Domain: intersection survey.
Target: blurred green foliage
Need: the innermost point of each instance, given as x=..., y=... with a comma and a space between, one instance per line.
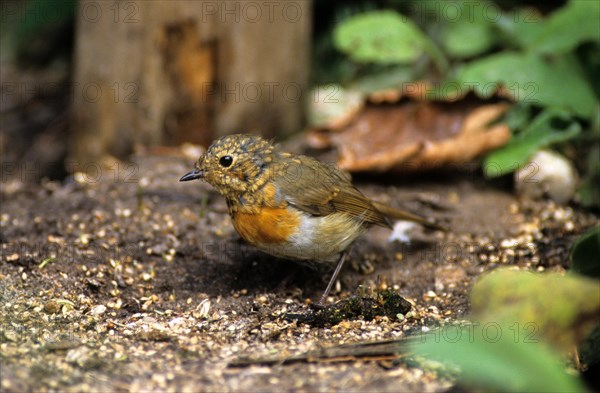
x=519, y=332
x=385, y=37
x=532, y=80
x=543, y=130
x=494, y=357
x=562, y=320
x=545, y=60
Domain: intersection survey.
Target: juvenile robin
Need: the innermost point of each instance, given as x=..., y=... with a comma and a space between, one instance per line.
x=291, y=206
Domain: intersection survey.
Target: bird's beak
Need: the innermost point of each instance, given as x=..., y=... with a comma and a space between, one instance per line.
x=193, y=175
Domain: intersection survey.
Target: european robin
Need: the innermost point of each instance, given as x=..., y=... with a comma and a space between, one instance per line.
x=290, y=206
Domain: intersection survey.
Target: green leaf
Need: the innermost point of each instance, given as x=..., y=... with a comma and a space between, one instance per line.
x=561, y=32
x=518, y=116
x=518, y=327
x=489, y=356
x=520, y=26
x=521, y=297
x=541, y=132
x=468, y=39
x=589, y=188
x=469, y=34
x=384, y=37
x=589, y=191
x=568, y=27
x=585, y=254
x=531, y=79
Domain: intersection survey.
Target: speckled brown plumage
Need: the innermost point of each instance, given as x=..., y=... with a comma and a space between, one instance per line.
x=287, y=205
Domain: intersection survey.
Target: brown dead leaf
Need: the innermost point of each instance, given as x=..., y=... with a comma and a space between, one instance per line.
x=416, y=136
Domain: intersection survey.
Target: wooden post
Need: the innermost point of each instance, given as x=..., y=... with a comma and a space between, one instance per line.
x=165, y=72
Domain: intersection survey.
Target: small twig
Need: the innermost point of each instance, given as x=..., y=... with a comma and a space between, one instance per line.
x=46, y=261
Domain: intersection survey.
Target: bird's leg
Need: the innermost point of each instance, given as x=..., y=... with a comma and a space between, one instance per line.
x=334, y=277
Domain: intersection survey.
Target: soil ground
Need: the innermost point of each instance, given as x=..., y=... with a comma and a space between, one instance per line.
x=127, y=280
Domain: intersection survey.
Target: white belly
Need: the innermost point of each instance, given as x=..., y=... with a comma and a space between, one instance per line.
x=318, y=239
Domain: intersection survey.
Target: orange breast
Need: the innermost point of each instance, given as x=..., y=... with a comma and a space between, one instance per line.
x=270, y=226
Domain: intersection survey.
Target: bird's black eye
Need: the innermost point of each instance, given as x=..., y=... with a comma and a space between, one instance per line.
x=226, y=161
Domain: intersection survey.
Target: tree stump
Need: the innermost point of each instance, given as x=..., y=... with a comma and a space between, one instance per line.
x=167, y=72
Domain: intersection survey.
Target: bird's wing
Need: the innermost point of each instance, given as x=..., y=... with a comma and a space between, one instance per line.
x=320, y=189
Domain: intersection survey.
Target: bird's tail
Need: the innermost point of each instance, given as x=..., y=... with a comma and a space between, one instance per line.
x=396, y=214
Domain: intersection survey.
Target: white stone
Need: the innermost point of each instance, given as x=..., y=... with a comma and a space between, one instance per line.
x=547, y=173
